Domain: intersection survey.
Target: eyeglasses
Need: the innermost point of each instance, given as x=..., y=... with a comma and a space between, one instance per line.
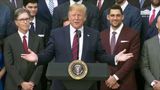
x=23, y=19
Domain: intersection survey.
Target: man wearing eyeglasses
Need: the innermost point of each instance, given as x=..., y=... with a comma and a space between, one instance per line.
x=21, y=74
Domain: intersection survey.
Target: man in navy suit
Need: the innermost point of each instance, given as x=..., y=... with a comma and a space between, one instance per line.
x=61, y=41
x=5, y=17
x=141, y=4
x=44, y=13
x=61, y=14
x=132, y=16
x=149, y=29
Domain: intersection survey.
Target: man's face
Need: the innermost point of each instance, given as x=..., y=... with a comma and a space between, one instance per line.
x=32, y=8
x=155, y=3
x=76, y=18
x=23, y=22
x=115, y=18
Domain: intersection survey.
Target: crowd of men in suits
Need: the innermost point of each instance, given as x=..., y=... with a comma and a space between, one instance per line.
x=136, y=18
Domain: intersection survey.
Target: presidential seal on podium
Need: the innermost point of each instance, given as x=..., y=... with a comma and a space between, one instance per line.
x=77, y=69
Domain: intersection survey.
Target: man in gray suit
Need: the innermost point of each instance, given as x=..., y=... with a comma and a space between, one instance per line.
x=21, y=74
x=150, y=64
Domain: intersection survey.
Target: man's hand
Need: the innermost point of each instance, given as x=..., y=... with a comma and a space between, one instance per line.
x=26, y=86
x=111, y=81
x=121, y=56
x=156, y=86
x=32, y=57
x=115, y=86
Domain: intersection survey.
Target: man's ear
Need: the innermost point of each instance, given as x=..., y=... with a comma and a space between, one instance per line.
x=107, y=17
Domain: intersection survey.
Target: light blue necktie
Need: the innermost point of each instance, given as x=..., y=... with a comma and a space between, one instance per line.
x=51, y=6
x=141, y=2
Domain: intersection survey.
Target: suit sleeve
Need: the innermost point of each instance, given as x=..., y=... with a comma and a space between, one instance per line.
x=49, y=52
x=136, y=21
x=144, y=65
x=9, y=63
x=129, y=65
x=36, y=76
x=101, y=55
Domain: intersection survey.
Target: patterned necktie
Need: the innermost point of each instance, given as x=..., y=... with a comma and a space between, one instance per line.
x=113, y=41
x=25, y=47
x=32, y=29
x=141, y=2
x=51, y=6
x=152, y=17
x=75, y=47
x=99, y=4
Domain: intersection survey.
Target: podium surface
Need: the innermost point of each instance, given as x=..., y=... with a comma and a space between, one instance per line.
x=59, y=71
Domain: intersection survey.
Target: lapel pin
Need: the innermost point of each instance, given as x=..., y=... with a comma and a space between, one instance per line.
x=88, y=35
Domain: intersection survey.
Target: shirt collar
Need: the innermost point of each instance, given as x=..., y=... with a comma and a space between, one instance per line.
x=21, y=34
x=34, y=20
x=124, y=5
x=72, y=29
x=157, y=8
x=118, y=30
x=73, y=2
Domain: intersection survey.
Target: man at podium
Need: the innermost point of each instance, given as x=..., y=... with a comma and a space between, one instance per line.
x=75, y=42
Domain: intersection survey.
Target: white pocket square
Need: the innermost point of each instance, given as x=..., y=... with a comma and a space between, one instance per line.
x=124, y=41
x=41, y=35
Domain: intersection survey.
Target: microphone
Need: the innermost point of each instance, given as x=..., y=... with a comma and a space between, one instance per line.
x=78, y=33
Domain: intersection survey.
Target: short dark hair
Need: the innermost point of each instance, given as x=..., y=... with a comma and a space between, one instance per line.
x=25, y=2
x=115, y=7
x=20, y=11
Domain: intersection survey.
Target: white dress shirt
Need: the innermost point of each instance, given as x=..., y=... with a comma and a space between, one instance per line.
x=21, y=36
x=156, y=12
x=73, y=2
x=118, y=31
x=124, y=5
x=72, y=33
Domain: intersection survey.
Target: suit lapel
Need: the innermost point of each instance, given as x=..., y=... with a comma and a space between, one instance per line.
x=68, y=42
x=18, y=42
x=121, y=37
x=107, y=41
x=86, y=41
x=31, y=41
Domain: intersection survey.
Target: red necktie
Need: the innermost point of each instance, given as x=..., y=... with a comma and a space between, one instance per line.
x=75, y=47
x=25, y=47
x=99, y=4
x=152, y=17
x=113, y=41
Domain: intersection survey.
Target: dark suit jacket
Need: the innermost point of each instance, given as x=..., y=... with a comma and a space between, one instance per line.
x=59, y=46
x=5, y=17
x=132, y=18
x=129, y=40
x=18, y=69
x=43, y=12
x=137, y=4
x=61, y=13
x=106, y=4
x=12, y=9
x=148, y=31
x=41, y=29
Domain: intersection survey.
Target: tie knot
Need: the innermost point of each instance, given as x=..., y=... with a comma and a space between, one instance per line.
x=114, y=33
x=31, y=23
x=153, y=10
x=24, y=36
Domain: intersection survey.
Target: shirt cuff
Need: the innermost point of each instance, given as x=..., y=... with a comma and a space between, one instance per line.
x=115, y=60
x=153, y=83
x=115, y=76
